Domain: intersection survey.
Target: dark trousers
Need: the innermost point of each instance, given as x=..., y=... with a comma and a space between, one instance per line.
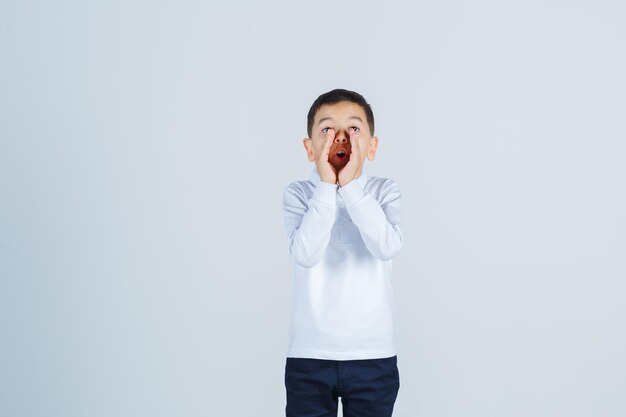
x=367, y=387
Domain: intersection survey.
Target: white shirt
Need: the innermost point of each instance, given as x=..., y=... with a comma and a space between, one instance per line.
x=341, y=240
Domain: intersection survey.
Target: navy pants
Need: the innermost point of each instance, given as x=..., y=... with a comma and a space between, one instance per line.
x=367, y=387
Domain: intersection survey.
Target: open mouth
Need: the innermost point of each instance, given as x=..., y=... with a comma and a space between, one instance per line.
x=341, y=153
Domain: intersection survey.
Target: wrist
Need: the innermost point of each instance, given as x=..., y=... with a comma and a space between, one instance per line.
x=345, y=181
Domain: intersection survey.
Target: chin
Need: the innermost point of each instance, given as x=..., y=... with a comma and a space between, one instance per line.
x=339, y=167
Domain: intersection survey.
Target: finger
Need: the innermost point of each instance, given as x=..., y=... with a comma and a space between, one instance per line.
x=354, y=143
x=330, y=135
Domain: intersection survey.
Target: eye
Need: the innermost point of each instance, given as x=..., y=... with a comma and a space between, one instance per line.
x=325, y=130
x=356, y=129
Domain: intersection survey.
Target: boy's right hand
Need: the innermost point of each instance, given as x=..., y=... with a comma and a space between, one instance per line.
x=327, y=172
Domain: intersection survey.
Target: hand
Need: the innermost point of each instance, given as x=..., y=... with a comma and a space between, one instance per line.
x=327, y=172
x=348, y=173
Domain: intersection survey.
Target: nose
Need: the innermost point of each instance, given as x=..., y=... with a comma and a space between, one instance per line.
x=341, y=137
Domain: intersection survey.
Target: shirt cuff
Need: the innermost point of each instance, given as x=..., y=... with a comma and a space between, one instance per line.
x=351, y=192
x=325, y=192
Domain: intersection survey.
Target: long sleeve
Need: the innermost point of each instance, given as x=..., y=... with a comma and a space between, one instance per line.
x=308, y=224
x=378, y=222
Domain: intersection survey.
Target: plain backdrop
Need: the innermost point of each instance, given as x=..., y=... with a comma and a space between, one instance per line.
x=145, y=146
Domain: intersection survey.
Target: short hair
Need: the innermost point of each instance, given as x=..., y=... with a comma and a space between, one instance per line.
x=335, y=96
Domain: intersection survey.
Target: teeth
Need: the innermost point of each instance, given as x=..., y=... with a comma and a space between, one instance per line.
x=341, y=153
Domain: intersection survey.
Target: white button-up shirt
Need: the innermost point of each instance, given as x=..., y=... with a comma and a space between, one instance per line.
x=342, y=240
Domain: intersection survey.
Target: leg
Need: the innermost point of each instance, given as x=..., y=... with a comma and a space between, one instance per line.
x=370, y=388
x=310, y=385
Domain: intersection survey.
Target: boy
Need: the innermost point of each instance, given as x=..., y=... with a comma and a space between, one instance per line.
x=343, y=230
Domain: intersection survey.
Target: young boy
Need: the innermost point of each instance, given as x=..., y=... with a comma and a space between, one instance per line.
x=343, y=230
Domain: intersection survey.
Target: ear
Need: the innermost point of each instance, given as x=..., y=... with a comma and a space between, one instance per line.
x=371, y=149
x=308, y=145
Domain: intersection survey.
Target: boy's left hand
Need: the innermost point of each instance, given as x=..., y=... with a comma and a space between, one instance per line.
x=348, y=173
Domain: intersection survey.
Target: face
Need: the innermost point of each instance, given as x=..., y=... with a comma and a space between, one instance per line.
x=342, y=117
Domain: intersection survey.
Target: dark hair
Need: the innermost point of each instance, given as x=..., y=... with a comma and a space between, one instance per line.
x=335, y=96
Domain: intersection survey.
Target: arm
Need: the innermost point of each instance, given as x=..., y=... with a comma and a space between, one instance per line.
x=308, y=224
x=378, y=222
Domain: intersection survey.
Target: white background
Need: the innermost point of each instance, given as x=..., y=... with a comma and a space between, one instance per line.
x=144, y=148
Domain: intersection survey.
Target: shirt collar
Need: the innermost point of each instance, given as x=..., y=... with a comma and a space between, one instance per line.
x=362, y=180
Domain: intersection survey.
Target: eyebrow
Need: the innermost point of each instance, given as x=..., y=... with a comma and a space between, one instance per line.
x=330, y=118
